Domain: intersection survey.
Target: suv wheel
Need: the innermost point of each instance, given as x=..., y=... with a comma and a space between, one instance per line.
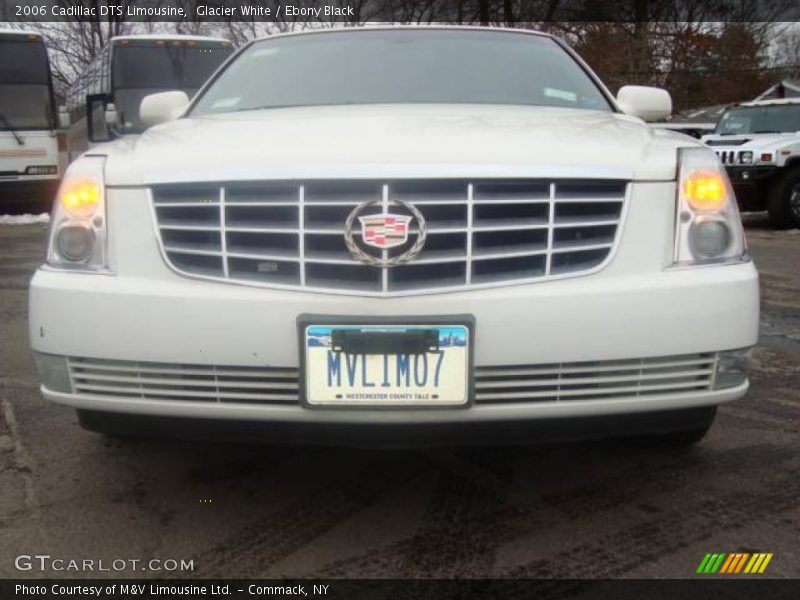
x=783, y=203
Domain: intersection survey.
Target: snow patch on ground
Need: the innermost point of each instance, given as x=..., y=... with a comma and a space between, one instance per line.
x=24, y=219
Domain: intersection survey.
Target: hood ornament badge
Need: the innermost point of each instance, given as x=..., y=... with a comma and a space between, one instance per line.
x=384, y=231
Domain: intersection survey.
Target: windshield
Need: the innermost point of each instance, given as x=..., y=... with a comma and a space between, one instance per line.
x=402, y=66
x=25, y=99
x=153, y=67
x=760, y=119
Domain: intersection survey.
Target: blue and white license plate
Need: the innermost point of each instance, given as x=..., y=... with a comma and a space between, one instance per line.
x=437, y=377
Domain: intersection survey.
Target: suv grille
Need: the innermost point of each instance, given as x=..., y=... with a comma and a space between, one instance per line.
x=483, y=233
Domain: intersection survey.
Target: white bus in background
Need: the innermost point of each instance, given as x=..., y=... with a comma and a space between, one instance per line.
x=29, y=138
x=103, y=102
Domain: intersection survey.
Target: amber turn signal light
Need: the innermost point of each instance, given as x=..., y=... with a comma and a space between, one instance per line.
x=705, y=190
x=80, y=197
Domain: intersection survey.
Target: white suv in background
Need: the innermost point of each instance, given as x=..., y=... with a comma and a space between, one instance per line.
x=759, y=144
x=398, y=227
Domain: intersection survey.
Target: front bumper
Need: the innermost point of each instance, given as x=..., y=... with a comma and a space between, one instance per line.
x=492, y=413
x=674, y=313
x=637, y=308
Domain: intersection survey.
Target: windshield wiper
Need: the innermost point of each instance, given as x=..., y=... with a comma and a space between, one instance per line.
x=267, y=107
x=271, y=106
x=17, y=137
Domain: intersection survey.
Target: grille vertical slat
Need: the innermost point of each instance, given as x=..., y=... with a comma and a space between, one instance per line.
x=727, y=157
x=479, y=233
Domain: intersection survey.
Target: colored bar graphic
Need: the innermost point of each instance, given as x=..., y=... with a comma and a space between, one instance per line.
x=718, y=564
x=711, y=562
x=764, y=564
x=734, y=563
x=730, y=564
x=740, y=564
x=727, y=564
x=703, y=563
x=754, y=562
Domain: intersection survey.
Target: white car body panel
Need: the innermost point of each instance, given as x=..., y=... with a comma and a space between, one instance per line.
x=390, y=140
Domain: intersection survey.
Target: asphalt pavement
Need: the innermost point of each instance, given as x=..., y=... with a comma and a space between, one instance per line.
x=604, y=509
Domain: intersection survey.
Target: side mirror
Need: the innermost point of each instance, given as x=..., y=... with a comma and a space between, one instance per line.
x=111, y=116
x=162, y=107
x=647, y=103
x=96, y=123
x=63, y=118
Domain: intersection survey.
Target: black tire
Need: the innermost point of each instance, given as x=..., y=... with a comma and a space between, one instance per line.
x=783, y=202
x=683, y=438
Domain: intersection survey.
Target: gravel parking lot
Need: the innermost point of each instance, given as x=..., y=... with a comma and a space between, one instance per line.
x=607, y=509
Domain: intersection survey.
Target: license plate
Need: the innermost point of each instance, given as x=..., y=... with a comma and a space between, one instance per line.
x=386, y=365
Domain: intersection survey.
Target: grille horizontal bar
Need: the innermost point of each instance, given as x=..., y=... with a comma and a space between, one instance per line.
x=155, y=381
x=290, y=235
x=565, y=382
x=595, y=380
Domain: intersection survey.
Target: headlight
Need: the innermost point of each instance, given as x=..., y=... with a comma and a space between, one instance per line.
x=709, y=229
x=746, y=158
x=78, y=223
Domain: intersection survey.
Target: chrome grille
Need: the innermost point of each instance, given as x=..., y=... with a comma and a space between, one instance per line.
x=595, y=380
x=480, y=233
x=560, y=382
x=727, y=157
x=161, y=381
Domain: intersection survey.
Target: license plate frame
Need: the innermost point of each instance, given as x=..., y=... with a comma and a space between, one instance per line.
x=461, y=320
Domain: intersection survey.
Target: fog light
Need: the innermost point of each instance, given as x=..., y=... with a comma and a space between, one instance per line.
x=709, y=238
x=75, y=242
x=746, y=158
x=53, y=372
x=732, y=368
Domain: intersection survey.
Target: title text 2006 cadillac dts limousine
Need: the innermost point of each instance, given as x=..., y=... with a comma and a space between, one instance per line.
x=398, y=227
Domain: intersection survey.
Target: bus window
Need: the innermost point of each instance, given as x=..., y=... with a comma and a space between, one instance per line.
x=26, y=100
x=139, y=70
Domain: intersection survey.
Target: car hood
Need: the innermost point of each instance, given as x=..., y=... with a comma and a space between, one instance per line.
x=390, y=141
x=748, y=141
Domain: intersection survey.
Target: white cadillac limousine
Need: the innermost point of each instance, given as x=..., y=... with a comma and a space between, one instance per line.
x=398, y=227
